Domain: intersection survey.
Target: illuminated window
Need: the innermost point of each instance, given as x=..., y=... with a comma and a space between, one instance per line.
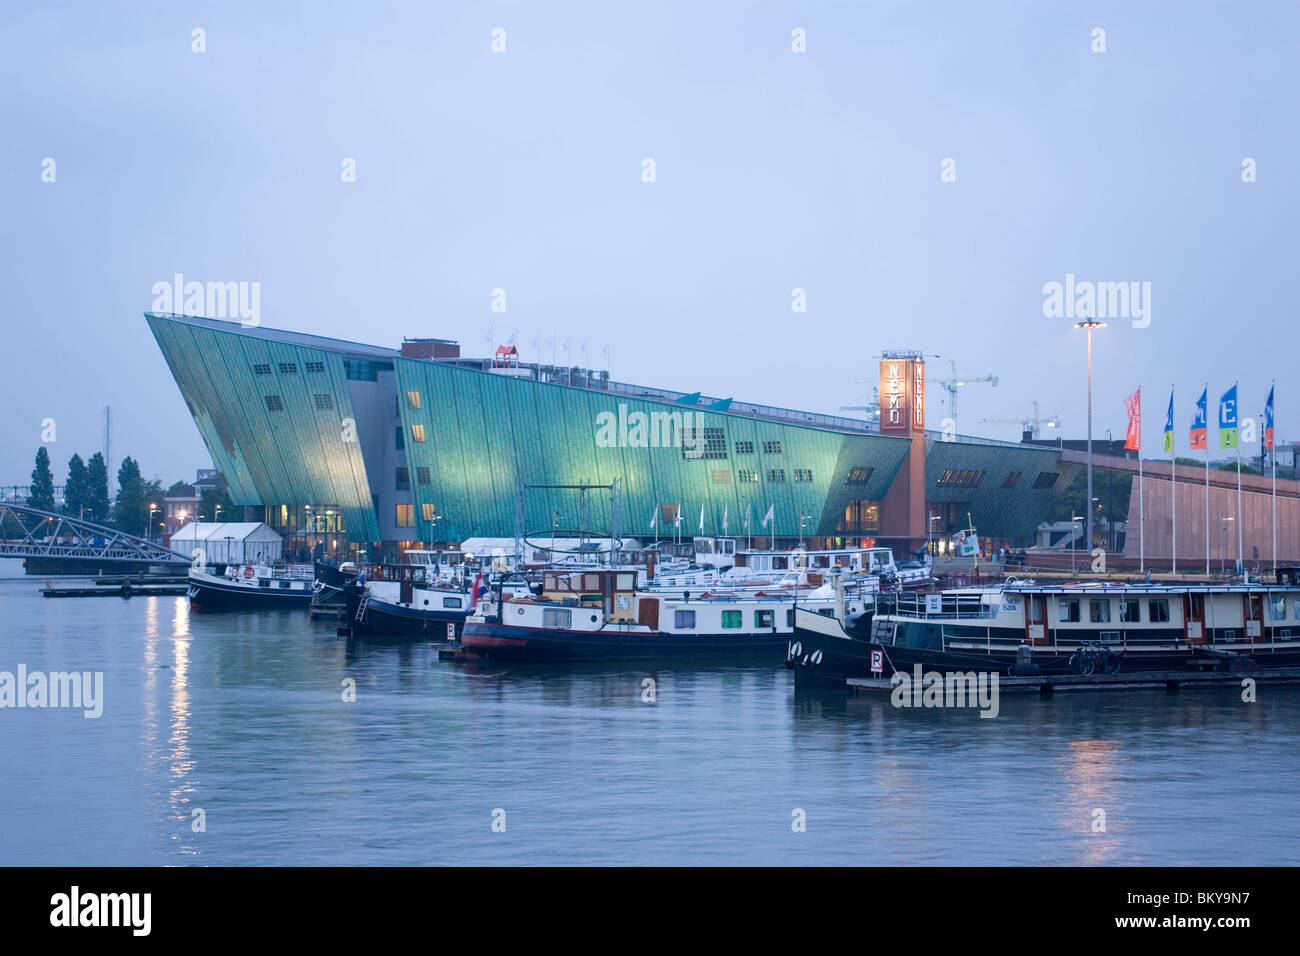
x=417, y=433
x=961, y=477
x=428, y=512
x=412, y=399
x=802, y=474
x=747, y=476
x=858, y=476
x=406, y=516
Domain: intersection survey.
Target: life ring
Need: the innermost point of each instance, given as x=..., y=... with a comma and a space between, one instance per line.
x=248, y=572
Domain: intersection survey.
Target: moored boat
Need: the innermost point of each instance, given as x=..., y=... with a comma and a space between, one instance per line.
x=251, y=587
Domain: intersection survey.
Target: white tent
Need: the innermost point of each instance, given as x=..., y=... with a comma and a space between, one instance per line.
x=229, y=542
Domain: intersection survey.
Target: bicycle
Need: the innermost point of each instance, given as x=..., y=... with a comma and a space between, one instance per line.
x=1093, y=657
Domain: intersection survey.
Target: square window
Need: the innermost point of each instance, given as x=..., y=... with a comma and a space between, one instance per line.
x=1099, y=610
x=412, y=399
x=747, y=476
x=858, y=476
x=315, y=366
x=771, y=448
x=763, y=618
x=1159, y=610
x=776, y=474
x=261, y=369
x=422, y=475
x=324, y=402
x=684, y=620
x=557, y=617
x=802, y=474
x=731, y=619
x=1069, y=610
x=274, y=403
x=417, y=433
x=744, y=448
x=288, y=368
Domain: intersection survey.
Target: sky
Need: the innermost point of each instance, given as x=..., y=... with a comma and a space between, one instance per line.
x=921, y=171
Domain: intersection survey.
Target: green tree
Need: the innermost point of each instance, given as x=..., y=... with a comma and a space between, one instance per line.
x=97, y=506
x=131, y=511
x=41, y=493
x=1232, y=466
x=76, y=491
x=178, y=488
x=1110, y=488
x=211, y=499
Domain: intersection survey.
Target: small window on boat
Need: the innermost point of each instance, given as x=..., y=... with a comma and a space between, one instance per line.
x=1198, y=606
x=1130, y=610
x=1159, y=610
x=556, y=617
x=452, y=602
x=1277, y=609
x=1069, y=610
x=1295, y=611
x=731, y=619
x=1109, y=637
x=591, y=582
x=1099, y=610
x=780, y=563
x=683, y=619
x=264, y=583
x=789, y=615
x=1230, y=635
x=763, y=618
x=626, y=582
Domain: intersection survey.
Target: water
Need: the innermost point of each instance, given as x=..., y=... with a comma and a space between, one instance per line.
x=241, y=716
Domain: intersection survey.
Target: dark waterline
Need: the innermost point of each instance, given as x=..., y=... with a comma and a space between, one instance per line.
x=242, y=715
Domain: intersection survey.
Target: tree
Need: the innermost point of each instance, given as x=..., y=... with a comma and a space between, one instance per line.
x=97, y=506
x=76, y=491
x=178, y=488
x=213, y=498
x=131, y=512
x=41, y=493
x=1110, y=488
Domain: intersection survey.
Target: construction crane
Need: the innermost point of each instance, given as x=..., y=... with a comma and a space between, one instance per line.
x=952, y=384
x=1033, y=425
x=872, y=408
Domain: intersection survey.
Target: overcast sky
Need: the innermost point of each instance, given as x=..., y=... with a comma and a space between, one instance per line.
x=774, y=170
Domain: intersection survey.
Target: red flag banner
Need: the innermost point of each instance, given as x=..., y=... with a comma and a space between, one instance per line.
x=1133, y=441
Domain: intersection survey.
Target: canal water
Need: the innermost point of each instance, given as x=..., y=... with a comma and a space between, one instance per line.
x=238, y=722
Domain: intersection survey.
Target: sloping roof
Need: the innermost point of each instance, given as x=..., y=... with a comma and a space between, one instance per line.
x=220, y=530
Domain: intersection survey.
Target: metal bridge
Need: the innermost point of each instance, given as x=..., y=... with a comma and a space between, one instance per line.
x=31, y=533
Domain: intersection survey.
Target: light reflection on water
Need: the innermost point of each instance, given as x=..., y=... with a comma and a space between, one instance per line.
x=242, y=715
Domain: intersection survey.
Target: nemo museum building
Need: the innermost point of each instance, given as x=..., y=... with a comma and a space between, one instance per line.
x=351, y=449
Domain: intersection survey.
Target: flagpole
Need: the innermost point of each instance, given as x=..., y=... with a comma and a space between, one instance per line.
x=1206, y=443
x=1272, y=447
x=1173, y=490
x=1142, y=560
x=1236, y=417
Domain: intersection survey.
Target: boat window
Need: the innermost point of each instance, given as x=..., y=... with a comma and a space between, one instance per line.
x=1255, y=610
x=1198, y=606
x=591, y=582
x=264, y=583
x=763, y=618
x=1109, y=637
x=731, y=618
x=684, y=619
x=789, y=615
x=1069, y=610
x=1159, y=610
x=780, y=563
x=451, y=602
x=1036, y=610
x=1277, y=609
x=1295, y=611
x=625, y=582
x=556, y=617
x=1130, y=610
x=1099, y=610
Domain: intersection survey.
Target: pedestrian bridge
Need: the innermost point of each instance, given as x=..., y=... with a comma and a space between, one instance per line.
x=31, y=533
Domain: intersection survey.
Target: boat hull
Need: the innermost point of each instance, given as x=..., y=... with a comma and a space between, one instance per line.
x=383, y=619
x=212, y=594
x=555, y=644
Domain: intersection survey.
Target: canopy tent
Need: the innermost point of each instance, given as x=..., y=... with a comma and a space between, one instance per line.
x=229, y=542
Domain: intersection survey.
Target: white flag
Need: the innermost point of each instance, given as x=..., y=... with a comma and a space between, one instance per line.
x=701, y=518
x=654, y=516
x=678, y=520
x=746, y=517
x=724, y=519
x=771, y=514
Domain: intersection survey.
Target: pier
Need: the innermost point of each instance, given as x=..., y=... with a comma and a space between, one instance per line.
x=1171, y=680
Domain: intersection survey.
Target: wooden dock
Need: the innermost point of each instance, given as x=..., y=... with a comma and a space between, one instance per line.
x=125, y=590
x=1170, y=680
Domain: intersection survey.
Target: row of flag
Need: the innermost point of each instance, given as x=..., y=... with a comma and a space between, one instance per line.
x=1198, y=434
x=677, y=522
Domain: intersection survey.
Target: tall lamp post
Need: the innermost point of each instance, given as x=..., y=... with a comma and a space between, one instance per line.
x=1089, y=325
x=1223, y=560
x=149, y=527
x=1074, y=539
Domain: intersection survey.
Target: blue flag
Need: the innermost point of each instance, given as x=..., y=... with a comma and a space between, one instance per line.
x=1228, y=419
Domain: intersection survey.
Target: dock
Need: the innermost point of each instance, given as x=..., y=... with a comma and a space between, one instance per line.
x=125, y=589
x=1170, y=680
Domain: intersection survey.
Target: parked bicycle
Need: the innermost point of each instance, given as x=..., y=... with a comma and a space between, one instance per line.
x=1093, y=658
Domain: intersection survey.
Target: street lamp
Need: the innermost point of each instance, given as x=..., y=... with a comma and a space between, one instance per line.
x=1223, y=562
x=148, y=531
x=1089, y=324
x=803, y=518
x=1074, y=539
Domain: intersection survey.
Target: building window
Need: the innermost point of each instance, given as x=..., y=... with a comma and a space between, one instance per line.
x=858, y=476
x=961, y=477
x=403, y=479
x=359, y=370
x=315, y=367
x=722, y=477
x=417, y=432
x=288, y=368
x=744, y=448
x=428, y=512
x=802, y=474
x=324, y=402
x=422, y=475
x=1010, y=480
x=1099, y=610
x=771, y=448
x=261, y=369
x=710, y=443
x=1159, y=610
x=684, y=619
x=747, y=476
x=731, y=619
x=861, y=517
x=776, y=474
x=1046, y=479
x=274, y=403
x=406, y=516
x=412, y=399
x=401, y=438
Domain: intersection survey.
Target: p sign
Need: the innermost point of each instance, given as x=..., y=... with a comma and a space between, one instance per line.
x=877, y=662
x=451, y=631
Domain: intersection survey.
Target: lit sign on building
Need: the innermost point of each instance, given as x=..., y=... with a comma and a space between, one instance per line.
x=902, y=395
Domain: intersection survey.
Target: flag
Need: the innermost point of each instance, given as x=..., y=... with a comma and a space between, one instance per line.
x=1169, y=424
x=677, y=520
x=654, y=516
x=701, y=519
x=478, y=592
x=746, y=517
x=1196, y=437
x=1228, y=419
x=771, y=514
x=724, y=519
x=1133, y=440
x=1268, y=420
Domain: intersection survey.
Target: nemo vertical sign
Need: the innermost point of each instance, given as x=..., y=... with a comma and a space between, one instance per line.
x=902, y=395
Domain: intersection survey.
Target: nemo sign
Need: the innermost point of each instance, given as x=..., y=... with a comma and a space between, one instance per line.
x=902, y=395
